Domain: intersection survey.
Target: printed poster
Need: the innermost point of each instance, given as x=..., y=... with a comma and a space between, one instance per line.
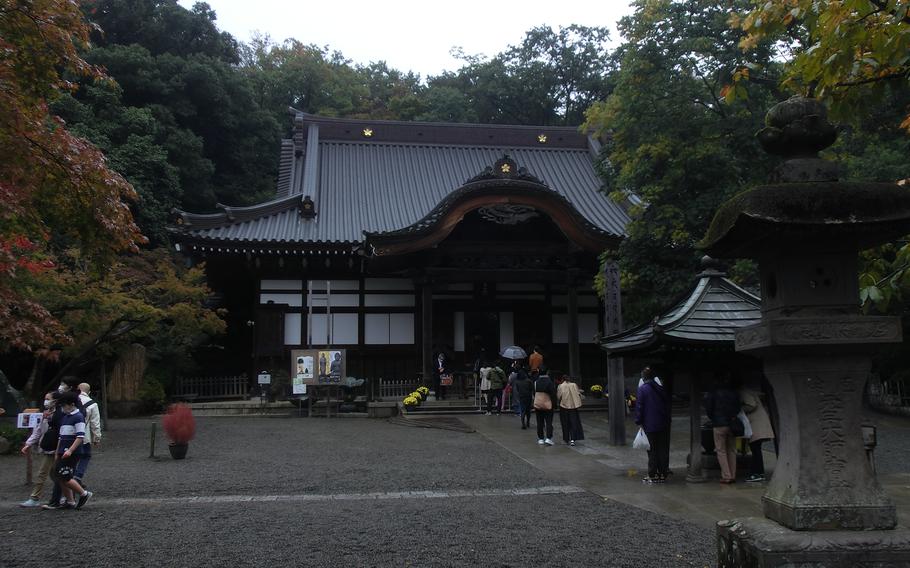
x=317, y=367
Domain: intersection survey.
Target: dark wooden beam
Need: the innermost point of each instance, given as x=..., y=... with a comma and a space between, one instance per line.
x=572, y=324
x=514, y=275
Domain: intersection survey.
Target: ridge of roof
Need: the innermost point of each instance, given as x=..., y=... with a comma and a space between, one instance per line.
x=471, y=134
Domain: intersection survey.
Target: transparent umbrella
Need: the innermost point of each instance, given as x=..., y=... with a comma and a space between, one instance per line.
x=513, y=352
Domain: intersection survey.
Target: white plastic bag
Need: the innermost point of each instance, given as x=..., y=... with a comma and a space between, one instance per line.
x=747, y=426
x=641, y=441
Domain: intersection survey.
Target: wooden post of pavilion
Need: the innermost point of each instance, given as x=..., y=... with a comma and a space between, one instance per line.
x=572, y=324
x=695, y=473
x=426, y=330
x=615, y=374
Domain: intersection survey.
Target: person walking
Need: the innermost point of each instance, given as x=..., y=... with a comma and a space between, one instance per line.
x=92, y=431
x=569, y=396
x=523, y=389
x=761, y=431
x=72, y=433
x=544, y=403
x=722, y=405
x=518, y=372
x=497, y=379
x=44, y=440
x=652, y=413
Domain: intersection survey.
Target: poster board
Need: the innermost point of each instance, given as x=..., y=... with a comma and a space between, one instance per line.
x=325, y=366
x=28, y=419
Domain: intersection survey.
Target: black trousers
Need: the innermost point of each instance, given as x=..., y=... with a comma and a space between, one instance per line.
x=494, y=395
x=758, y=460
x=526, y=405
x=544, y=418
x=438, y=388
x=570, y=419
x=659, y=454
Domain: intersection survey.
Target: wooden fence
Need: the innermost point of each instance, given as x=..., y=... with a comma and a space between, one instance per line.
x=390, y=389
x=211, y=388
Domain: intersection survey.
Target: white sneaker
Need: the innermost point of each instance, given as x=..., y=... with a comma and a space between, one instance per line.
x=548, y=442
x=540, y=442
x=30, y=503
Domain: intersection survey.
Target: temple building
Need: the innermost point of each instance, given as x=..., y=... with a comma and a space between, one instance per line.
x=396, y=240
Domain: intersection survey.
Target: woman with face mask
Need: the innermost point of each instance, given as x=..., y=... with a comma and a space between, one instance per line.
x=42, y=441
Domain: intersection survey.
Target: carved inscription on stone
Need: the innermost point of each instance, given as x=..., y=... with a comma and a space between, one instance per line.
x=831, y=408
x=836, y=331
x=752, y=337
x=612, y=300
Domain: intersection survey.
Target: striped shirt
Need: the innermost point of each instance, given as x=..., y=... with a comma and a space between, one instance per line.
x=72, y=426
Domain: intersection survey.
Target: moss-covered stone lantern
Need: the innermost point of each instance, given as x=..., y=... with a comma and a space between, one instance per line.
x=805, y=229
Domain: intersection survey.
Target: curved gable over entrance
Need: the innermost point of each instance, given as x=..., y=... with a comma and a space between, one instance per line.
x=504, y=193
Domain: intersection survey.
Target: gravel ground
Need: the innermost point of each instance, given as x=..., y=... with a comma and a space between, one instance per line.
x=293, y=459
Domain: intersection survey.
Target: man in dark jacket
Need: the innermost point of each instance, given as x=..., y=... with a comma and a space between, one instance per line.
x=523, y=390
x=652, y=413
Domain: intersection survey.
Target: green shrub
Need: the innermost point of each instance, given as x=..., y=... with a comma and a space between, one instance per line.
x=15, y=436
x=151, y=394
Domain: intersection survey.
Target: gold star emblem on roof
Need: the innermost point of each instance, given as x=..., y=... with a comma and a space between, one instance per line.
x=506, y=168
x=367, y=132
x=542, y=138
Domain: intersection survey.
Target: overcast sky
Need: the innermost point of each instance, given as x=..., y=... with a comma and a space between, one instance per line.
x=408, y=35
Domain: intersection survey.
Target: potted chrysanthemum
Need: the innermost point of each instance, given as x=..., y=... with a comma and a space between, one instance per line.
x=597, y=391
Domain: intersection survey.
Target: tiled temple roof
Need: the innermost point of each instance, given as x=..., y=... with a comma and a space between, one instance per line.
x=706, y=319
x=397, y=175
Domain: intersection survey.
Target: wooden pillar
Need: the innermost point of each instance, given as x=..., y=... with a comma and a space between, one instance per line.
x=695, y=473
x=616, y=382
x=572, y=332
x=426, y=331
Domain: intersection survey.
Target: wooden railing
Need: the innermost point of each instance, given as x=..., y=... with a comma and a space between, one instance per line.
x=209, y=388
x=390, y=389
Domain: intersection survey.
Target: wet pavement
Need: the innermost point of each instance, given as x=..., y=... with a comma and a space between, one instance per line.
x=616, y=473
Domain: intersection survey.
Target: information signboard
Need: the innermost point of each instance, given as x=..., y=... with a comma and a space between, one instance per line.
x=318, y=366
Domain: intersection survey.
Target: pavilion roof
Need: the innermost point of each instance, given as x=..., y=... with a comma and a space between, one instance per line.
x=706, y=318
x=397, y=175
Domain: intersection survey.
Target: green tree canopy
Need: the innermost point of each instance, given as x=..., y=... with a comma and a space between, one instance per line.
x=673, y=147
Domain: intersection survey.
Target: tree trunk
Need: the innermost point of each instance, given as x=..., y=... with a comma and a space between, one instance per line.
x=127, y=374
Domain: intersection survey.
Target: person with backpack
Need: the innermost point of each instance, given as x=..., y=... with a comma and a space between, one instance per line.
x=497, y=378
x=652, y=413
x=67, y=385
x=72, y=433
x=92, y=430
x=43, y=440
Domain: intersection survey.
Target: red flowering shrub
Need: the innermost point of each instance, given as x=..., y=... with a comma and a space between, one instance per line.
x=179, y=424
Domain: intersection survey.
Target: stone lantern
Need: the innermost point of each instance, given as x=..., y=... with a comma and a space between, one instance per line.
x=823, y=505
